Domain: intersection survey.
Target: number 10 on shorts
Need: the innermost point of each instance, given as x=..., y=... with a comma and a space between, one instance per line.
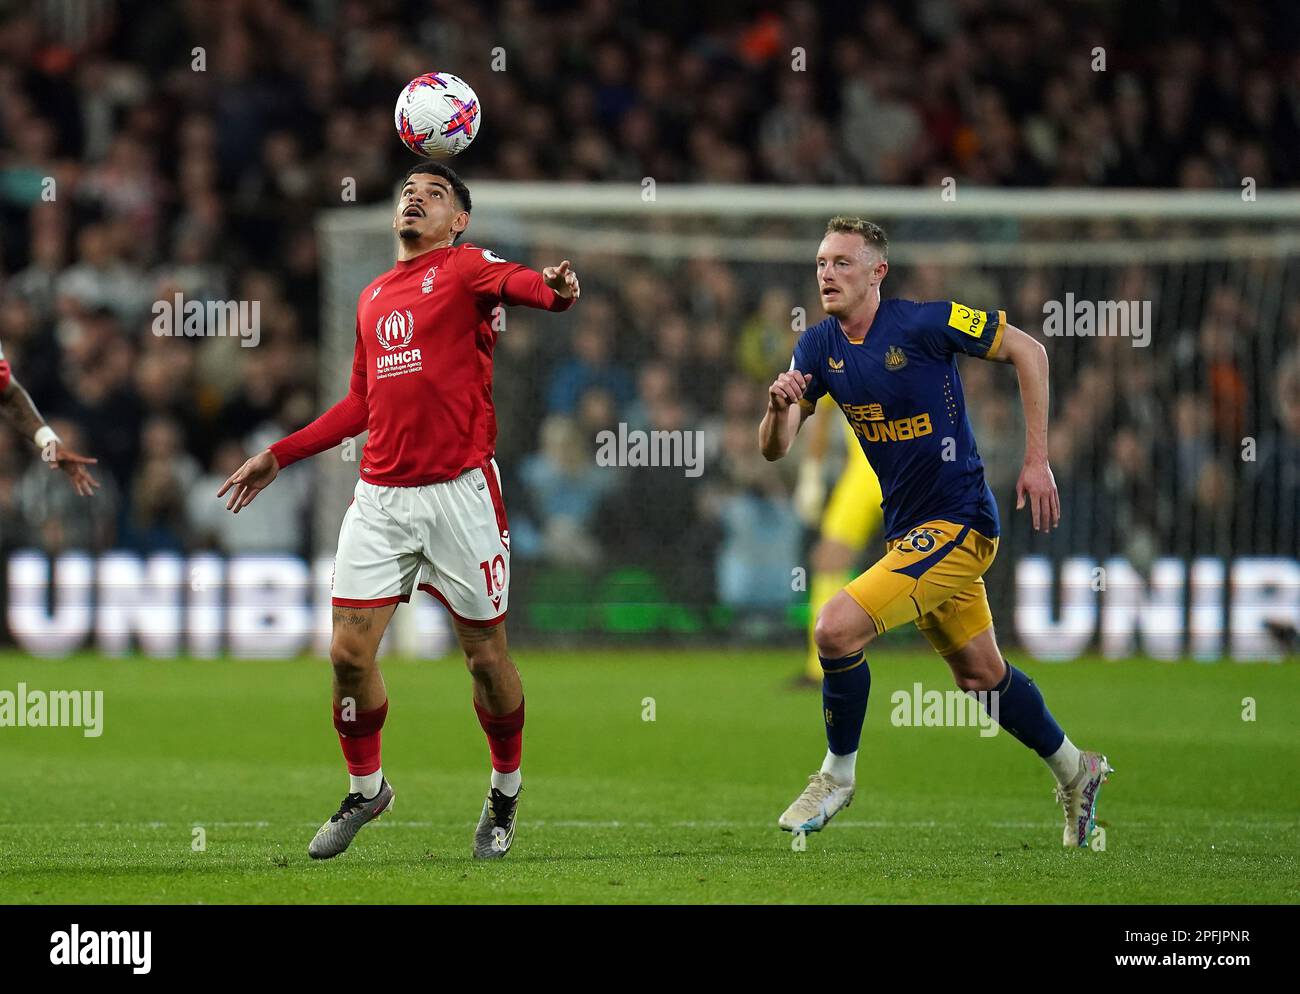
x=494, y=577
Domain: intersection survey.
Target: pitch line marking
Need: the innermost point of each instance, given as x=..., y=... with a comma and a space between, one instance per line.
x=595, y=823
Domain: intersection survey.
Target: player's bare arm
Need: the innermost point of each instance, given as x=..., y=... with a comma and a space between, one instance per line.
x=346, y=419
x=19, y=410
x=250, y=480
x=1036, y=483
x=785, y=415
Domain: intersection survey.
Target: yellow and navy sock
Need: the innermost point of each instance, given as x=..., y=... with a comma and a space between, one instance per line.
x=1022, y=711
x=846, y=684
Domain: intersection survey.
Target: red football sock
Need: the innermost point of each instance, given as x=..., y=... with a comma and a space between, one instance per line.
x=360, y=738
x=505, y=735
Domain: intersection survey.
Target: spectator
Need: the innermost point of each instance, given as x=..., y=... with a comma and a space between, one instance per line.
x=591, y=365
x=761, y=535
x=565, y=487
x=1274, y=477
x=207, y=184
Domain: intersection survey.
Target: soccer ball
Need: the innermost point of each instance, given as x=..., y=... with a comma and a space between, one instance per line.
x=437, y=115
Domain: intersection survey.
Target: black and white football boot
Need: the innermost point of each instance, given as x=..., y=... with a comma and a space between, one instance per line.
x=496, y=825
x=355, y=812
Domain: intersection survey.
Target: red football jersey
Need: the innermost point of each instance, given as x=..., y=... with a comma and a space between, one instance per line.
x=422, y=367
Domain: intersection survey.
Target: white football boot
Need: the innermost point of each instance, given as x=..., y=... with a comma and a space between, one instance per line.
x=1078, y=799
x=821, y=800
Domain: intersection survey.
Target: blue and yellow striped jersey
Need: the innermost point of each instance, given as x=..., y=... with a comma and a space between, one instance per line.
x=902, y=396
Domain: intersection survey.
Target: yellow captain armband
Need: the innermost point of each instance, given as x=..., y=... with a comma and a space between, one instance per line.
x=967, y=320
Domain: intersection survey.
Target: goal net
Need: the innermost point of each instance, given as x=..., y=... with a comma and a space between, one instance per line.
x=640, y=506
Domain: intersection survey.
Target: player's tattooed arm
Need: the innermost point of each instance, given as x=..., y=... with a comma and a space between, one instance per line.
x=785, y=414
x=19, y=410
x=1036, y=484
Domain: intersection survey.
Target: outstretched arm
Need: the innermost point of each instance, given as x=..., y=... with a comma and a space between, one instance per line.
x=17, y=405
x=555, y=288
x=1036, y=481
x=344, y=420
x=18, y=409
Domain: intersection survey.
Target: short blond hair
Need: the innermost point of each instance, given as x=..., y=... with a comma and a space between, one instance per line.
x=872, y=233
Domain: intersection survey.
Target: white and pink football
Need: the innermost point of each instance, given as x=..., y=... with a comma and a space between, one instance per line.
x=437, y=115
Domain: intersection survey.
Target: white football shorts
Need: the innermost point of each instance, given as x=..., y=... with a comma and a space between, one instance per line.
x=450, y=539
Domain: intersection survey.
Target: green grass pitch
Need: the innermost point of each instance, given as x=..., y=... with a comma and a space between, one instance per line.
x=1204, y=806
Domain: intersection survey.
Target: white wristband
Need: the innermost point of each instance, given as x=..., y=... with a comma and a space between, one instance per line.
x=45, y=435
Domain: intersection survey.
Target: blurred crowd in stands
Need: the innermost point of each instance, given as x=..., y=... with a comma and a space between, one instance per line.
x=155, y=148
